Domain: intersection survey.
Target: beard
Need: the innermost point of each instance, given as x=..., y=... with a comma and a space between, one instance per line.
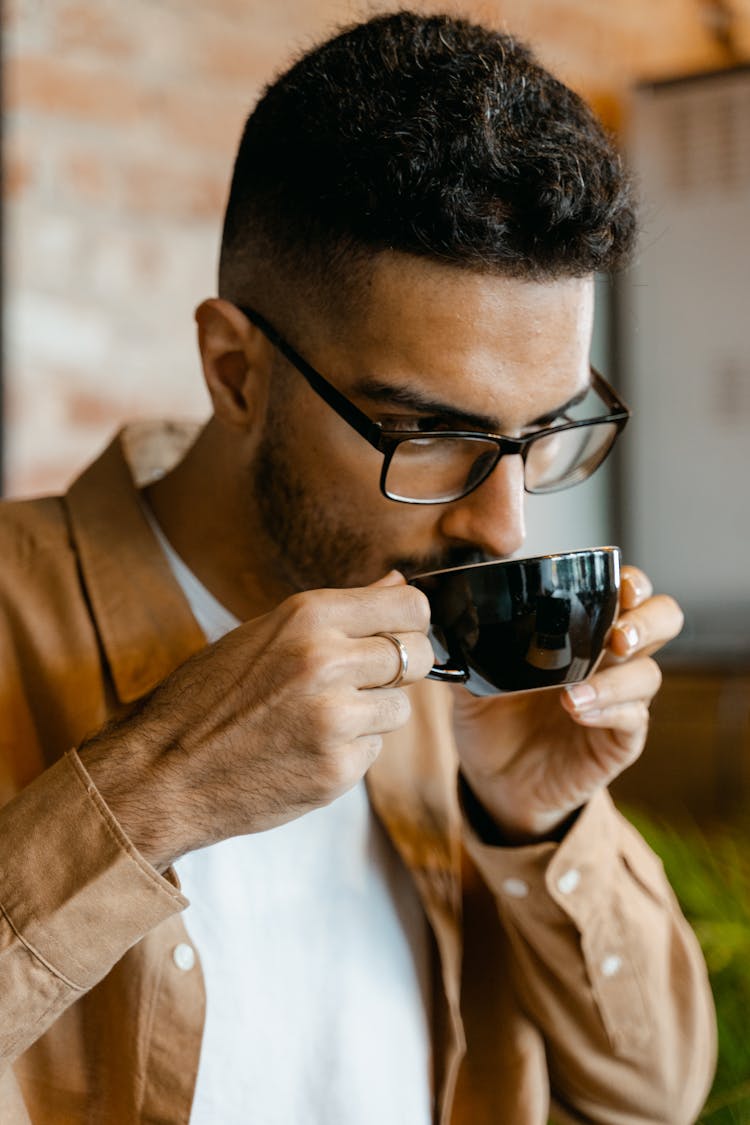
x=323, y=541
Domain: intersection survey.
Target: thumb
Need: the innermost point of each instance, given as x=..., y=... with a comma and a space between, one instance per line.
x=392, y=578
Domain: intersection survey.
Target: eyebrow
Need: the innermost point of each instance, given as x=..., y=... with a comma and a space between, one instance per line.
x=384, y=393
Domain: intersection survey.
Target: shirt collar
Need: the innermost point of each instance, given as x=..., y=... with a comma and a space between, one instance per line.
x=143, y=619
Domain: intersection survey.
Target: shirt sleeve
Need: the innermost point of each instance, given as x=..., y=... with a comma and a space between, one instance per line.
x=606, y=966
x=75, y=895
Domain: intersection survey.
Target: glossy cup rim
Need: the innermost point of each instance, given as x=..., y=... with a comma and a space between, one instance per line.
x=608, y=550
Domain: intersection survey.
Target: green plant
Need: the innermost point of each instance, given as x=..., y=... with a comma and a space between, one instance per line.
x=709, y=869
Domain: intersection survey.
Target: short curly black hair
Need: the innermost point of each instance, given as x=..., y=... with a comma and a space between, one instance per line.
x=430, y=136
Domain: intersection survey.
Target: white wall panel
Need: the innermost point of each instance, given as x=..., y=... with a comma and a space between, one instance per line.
x=686, y=322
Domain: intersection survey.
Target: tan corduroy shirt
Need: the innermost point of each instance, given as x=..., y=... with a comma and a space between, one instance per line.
x=560, y=971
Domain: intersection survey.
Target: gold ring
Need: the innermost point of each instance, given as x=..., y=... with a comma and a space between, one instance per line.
x=403, y=657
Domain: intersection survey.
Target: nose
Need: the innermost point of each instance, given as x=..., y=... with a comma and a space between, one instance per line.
x=492, y=518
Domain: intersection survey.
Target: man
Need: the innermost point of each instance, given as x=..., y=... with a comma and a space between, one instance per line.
x=416, y=215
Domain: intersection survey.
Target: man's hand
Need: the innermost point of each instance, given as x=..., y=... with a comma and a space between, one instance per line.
x=281, y=716
x=532, y=759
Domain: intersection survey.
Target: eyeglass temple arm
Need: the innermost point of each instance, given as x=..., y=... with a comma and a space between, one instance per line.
x=365, y=426
x=356, y=418
x=610, y=395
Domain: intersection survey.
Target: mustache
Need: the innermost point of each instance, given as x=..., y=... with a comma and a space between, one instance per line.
x=441, y=560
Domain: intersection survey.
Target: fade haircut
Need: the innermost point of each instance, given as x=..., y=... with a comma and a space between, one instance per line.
x=428, y=136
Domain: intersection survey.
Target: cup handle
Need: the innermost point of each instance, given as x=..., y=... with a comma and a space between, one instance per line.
x=448, y=673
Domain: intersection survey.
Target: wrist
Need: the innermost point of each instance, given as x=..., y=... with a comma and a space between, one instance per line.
x=505, y=831
x=123, y=763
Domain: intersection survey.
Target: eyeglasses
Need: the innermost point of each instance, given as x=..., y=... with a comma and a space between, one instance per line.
x=438, y=466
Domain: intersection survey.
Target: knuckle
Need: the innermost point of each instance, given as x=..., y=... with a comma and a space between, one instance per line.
x=675, y=612
x=656, y=676
x=296, y=614
x=346, y=718
x=330, y=663
x=328, y=720
x=416, y=608
x=393, y=709
x=423, y=656
x=634, y=749
x=314, y=662
x=307, y=609
x=296, y=605
x=404, y=711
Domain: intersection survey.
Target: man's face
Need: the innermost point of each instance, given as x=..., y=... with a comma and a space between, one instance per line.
x=469, y=350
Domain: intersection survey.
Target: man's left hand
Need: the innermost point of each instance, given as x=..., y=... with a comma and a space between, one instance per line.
x=532, y=759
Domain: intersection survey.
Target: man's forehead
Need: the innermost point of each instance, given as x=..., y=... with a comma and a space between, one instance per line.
x=414, y=306
x=446, y=341
x=399, y=282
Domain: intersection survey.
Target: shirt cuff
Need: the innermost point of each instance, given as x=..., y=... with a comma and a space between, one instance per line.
x=550, y=876
x=591, y=881
x=74, y=888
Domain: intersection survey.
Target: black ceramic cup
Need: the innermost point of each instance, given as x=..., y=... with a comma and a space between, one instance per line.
x=522, y=624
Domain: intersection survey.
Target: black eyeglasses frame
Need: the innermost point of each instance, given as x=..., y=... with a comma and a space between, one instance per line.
x=386, y=442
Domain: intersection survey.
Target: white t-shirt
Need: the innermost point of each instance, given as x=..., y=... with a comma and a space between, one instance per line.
x=314, y=949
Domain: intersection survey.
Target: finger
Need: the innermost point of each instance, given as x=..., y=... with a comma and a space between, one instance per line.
x=630, y=719
x=635, y=587
x=392, y=578
x=648, y=627
x=385, y=709
x=376, y=660
x=639, y=680
x=344, y=716
x=393, y=609
x=362, y=612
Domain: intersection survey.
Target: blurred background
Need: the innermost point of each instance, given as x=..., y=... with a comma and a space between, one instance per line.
x=120, y=125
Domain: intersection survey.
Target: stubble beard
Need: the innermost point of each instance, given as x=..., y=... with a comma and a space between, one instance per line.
x=317, y=544
x=312, y=549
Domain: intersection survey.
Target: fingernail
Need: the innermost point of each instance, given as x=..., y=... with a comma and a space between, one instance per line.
x=630, y=633
x=641, y=588
x=581, y=695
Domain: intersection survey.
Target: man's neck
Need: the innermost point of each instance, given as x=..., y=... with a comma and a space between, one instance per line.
x=206, y=508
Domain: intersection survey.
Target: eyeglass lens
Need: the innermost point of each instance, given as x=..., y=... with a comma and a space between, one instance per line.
x=444, y=468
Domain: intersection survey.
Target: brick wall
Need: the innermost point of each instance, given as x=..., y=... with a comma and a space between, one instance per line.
x=121, y=122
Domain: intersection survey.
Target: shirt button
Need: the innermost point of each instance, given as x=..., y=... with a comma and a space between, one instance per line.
x=183, y=956
x=516, y=888
x=568, y=882
x=611, y=965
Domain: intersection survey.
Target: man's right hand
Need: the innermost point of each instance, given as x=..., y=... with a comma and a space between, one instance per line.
x=281, y=716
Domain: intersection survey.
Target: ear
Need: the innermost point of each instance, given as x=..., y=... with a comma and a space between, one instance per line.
x=237, y=361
